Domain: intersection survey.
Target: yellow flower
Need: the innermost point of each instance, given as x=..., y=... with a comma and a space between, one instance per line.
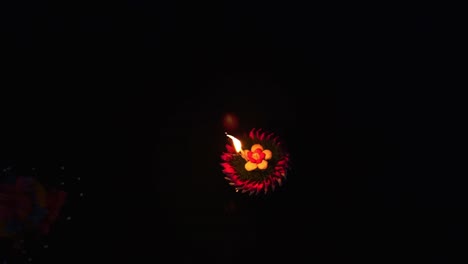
x=257, y=158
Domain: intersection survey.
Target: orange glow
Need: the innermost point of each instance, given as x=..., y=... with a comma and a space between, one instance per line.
x=230, y=122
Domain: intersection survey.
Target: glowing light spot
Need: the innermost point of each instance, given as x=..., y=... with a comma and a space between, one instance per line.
x=230, y=121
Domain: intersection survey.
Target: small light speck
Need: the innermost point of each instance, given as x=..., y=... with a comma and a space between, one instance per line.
x=62, y=168
x=29, y=259
x=79, y=178
x=33, y=168
x=46, y=246
x=81, y=194
x=69, y=218
x=62, y=183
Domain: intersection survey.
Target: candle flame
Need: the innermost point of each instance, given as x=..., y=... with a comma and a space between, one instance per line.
x=236, y=142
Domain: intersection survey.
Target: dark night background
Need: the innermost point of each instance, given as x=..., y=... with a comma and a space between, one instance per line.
x=132, y=96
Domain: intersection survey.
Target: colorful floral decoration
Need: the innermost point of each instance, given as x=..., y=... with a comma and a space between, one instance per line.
x=25, y=206
x=262, y=164
x=28, y=209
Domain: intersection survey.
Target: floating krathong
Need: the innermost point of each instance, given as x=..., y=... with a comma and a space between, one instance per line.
x=256, y=163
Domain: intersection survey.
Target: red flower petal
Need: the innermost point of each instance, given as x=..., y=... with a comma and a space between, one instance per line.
x=230, y=148
x=258, y=132
x=275, y=140
x=225, y=165
x=269, y=136
x=262, y=156
x=250, y=157
x=249, y=185
x=254, y=187
x=267, y=182
x=259, y=186
x=251, y=133
x=281, y=162
x=228, y=168
x=257, y=151
x=237, y=182
x=226, y=156
x=262, y=136
x=266, y=185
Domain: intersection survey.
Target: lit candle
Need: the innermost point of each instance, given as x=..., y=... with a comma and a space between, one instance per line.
x=237, y=145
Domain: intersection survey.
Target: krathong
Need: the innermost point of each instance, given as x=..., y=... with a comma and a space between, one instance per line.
x=256, y=163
